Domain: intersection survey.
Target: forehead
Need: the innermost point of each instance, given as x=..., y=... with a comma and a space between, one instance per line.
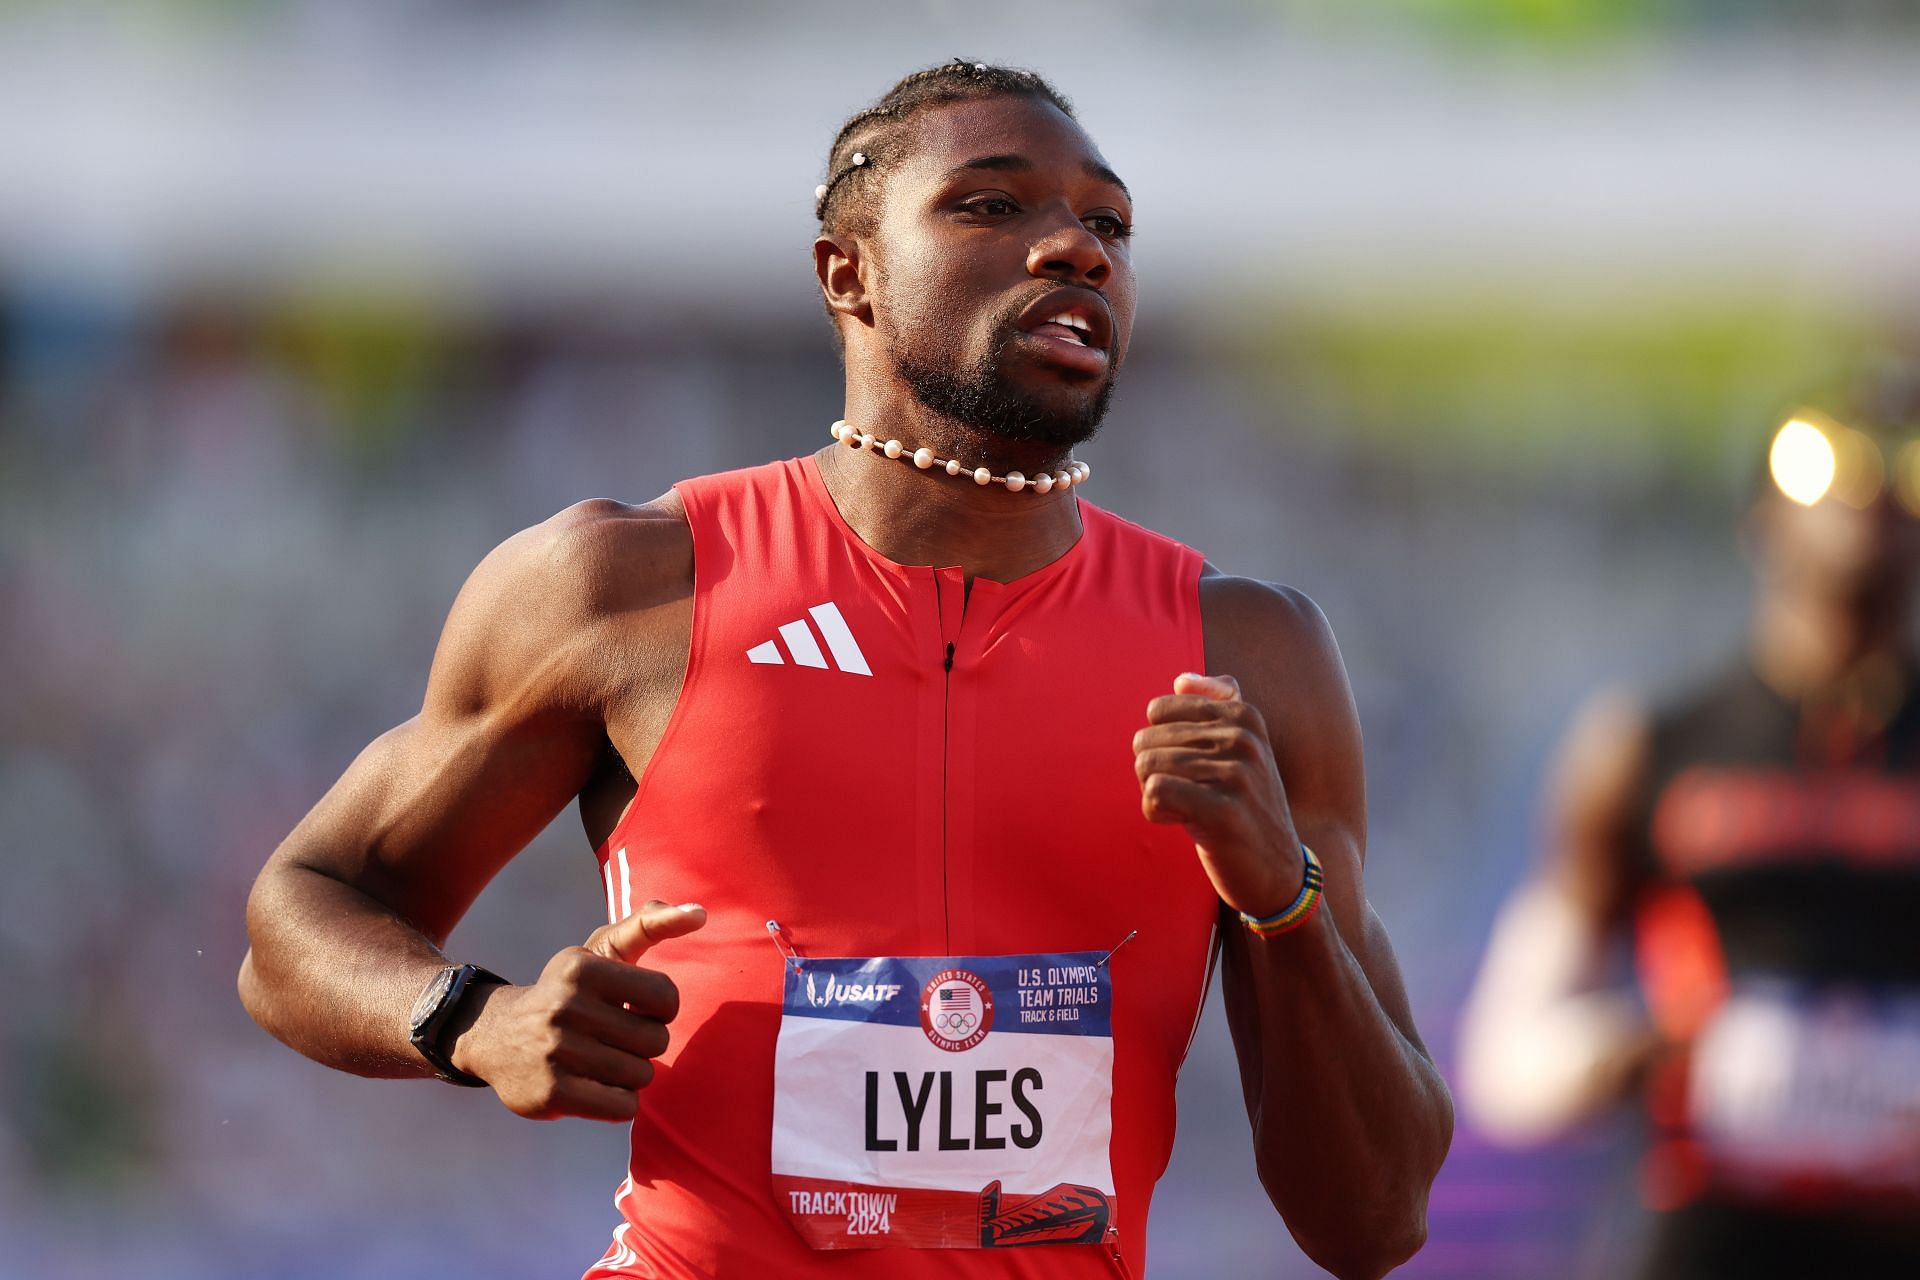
x=954, y=132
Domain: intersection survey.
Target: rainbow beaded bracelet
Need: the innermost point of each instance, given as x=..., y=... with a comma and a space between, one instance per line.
x=1297, y=912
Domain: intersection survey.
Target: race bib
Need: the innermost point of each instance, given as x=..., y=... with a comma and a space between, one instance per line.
x=1788, y=1084
x=960, y=1102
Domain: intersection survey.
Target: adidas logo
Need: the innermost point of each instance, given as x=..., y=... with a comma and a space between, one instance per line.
x=805, y=650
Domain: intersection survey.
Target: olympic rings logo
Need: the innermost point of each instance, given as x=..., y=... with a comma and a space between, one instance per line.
x=956, y=1010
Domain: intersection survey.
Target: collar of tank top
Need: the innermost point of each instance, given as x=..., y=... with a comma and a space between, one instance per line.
x=1075, y=472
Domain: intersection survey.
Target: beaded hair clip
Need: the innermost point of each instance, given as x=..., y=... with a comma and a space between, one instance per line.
x=861, y=159
x=858, y=160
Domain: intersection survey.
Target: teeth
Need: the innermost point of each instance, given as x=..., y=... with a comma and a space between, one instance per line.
x=1075, y=324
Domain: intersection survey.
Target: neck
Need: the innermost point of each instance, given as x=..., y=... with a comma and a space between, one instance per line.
x=929, y=517
x=1812, y=646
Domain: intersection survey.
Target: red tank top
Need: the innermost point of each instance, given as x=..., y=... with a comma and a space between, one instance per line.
x=888, y=767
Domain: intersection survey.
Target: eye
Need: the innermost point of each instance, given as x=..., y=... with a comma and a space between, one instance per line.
x=1108, y=226
x=993, y=206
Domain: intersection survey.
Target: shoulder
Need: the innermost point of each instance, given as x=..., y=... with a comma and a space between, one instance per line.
x=1612, y=717
x=595, y=557
x=1604, y=754
x=1277, y=643
x=1595, y=786
x=1254, y=623
x=535, y=612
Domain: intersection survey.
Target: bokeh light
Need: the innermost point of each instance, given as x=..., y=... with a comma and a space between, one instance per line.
x=1860, y=471
x=1906, y=476
x=1803, y=462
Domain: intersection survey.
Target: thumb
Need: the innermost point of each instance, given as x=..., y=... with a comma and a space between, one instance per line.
x=1219, y=688
x=654, y=922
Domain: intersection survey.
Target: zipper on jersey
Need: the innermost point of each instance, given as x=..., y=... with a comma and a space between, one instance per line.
x=946, y=798
x=949, y=599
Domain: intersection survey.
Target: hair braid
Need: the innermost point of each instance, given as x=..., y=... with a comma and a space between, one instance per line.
x=876, y=138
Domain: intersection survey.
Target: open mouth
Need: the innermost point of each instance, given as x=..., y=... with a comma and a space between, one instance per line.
x=1073, y=327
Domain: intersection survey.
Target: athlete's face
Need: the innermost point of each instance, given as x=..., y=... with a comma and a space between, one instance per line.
x=1838, y=549
x=1002, y=289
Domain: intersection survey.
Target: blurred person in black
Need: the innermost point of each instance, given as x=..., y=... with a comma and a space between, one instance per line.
x=1756, y=841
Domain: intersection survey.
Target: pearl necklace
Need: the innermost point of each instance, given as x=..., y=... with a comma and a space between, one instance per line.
x=1075, y=472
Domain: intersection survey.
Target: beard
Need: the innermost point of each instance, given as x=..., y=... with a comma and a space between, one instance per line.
x=984, y=402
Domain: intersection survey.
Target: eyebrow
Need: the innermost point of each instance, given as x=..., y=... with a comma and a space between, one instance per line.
x=1020, y=164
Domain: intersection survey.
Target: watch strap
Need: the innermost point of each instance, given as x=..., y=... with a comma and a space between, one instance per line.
x=430, y=1027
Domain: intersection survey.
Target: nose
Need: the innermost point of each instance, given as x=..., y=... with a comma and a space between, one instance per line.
x=1070, y=253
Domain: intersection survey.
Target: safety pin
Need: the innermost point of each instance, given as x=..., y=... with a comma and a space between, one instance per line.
x=1131, y=935
x=781, y=941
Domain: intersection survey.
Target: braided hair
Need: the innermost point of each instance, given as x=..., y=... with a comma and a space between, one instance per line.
x=878, y=136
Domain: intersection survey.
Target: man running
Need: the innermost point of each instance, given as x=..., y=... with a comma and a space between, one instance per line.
x=1757, y=839
x=923, y=734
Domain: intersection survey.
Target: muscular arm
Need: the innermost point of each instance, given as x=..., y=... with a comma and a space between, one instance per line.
x=1544, y=1043
x=1350, y=1118
x=347, y=919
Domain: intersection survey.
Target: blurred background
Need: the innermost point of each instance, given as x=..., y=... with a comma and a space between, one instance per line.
x=1468, y=317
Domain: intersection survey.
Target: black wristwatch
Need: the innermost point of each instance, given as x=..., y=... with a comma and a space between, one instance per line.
x=436, y=1008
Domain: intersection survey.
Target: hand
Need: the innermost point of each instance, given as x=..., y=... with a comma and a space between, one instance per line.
x=579, y=1042
x=1204, y=761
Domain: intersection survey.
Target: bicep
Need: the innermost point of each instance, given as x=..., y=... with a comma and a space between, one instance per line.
x=427, y=815
x=1281, y=649
x=508, y=734
x=1284, y=654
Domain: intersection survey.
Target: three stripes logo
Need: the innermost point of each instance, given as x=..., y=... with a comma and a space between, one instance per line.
x=804, y=650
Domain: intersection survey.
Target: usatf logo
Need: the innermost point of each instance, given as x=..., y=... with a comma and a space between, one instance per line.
x=833, y=991
x=956, y=1010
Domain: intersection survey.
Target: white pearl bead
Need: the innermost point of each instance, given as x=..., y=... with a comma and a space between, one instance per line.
x=953, y=466
x=1042, y=482
x=836, y=429
x=923, y=458
x=866, y=439
x=1085, y=472
x=982, y=476
x=1016, y=481
x=1062, y=480
x=893, y=448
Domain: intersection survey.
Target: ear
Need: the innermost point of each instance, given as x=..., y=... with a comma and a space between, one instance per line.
x=837, y=263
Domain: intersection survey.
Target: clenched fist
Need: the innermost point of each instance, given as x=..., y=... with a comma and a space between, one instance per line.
x=581, y=1040
x=1204, y=761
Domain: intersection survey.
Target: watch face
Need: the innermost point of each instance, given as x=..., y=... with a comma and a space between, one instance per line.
x=430, y=998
